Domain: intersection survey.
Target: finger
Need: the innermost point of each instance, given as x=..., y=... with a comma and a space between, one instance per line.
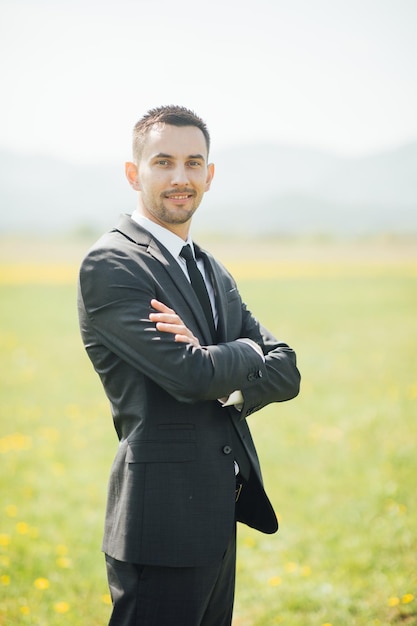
x=183, y=339
x=176, y=329
x=167, y=318
x=184, y=336
x=160, y=306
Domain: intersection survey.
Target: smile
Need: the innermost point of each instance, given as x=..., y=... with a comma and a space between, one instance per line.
x=178, y=195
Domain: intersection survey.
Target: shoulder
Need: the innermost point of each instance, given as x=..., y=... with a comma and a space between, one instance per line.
x=126, y=240
x=114, y=260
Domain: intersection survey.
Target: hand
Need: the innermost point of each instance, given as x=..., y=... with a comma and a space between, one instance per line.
x=167, y=321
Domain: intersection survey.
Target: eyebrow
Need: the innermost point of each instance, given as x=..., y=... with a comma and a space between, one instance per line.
x=196, y=156
x=163, y=155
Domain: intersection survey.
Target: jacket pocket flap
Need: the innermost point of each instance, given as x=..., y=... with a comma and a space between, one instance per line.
x=160, y=451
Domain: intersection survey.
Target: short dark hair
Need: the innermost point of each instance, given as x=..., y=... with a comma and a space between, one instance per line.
x=170, y=114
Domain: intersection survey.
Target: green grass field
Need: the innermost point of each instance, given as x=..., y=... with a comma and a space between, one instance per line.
x=339, y=461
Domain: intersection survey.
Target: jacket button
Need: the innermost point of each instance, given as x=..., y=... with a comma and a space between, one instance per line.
x=226, y=449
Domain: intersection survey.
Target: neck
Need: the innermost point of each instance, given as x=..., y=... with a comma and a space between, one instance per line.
x=180, y=229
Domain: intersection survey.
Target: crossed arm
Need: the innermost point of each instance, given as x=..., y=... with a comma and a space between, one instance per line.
x=110, y=290
x=167, y=321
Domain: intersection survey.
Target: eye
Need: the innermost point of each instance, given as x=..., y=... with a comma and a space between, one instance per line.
x=194, y=163
x=162, y=162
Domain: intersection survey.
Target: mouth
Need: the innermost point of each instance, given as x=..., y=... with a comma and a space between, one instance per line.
x=182, y=196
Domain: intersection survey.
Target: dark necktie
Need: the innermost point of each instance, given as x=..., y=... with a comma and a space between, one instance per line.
x=199, y=286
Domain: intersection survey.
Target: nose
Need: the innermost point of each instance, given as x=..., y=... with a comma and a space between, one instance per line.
x=180, y=176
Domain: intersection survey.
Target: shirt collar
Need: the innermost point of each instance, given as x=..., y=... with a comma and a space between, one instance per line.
x=172, y=242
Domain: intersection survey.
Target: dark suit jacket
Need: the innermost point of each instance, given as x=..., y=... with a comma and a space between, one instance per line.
x=171, y=491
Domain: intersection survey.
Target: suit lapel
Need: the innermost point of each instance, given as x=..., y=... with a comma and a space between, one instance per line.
x=159, y=252
x=129, y=228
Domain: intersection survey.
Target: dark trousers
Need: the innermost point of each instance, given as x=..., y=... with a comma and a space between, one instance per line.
x=144, y=595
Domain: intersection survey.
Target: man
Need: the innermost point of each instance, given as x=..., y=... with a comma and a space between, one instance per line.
x=183, y=364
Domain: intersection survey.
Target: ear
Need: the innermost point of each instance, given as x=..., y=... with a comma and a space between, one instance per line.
x=210, y=174
x=131, y=172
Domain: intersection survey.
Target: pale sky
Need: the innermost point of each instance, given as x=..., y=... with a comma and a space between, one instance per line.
x=76, y=75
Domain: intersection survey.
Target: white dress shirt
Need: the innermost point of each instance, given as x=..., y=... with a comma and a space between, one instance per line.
x=174, y=245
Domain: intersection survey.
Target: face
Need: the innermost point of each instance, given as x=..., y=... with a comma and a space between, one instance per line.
x=172, y=176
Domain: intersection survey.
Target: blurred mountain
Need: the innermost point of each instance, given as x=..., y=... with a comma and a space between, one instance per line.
x=43, y=195
x=257, y=189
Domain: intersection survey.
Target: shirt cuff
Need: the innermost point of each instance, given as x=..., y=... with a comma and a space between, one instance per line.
x=253, y=345
x=235, y=399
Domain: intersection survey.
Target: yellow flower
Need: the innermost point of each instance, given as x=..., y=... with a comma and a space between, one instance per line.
x=249, y=542
x=41, y=583
x=306, y=570
x=22, y=528
x=50, y=434
x=412, y=392
x=393, y=601
x=275, y=581
x=11, y=510
x=4, y=540
x=58, y=469
x=61, y=607
x=407, y=598
x=106, y=598
x=326, y=624
x=73, y=411
x=5, y=580
x=291, y=567
x=25, y=610
x=61, y=550
x=38, y=274
x=64, y=562
x=15, y=441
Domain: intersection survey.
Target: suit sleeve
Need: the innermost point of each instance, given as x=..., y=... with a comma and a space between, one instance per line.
x=281, y=380
x=114, y=306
